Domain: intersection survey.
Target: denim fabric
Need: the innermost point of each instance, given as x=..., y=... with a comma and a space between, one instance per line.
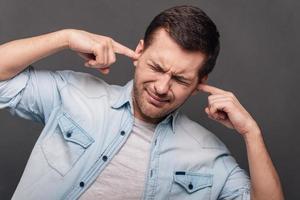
x=86, y=121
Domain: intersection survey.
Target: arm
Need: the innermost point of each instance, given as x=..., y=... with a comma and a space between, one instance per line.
x=98, y=51
x=226, y=109
x=17, y=55
x=264, y=179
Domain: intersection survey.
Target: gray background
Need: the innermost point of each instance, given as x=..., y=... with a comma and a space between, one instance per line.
x=258, y=63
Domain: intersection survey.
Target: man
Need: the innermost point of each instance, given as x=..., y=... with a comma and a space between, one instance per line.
x=103, y=141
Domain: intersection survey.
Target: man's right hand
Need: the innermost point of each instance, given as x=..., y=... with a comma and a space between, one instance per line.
x=97, y=50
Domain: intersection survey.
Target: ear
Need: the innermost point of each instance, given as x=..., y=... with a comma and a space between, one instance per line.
x=139, y=50
x=203, y=80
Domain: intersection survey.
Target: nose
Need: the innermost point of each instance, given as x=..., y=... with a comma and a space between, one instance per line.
x=162, y=85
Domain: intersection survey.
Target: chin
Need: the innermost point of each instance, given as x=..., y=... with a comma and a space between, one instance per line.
x=148, y=110
x=152, y=112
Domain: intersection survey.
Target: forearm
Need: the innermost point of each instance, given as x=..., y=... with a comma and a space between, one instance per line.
x=18, y=54
x=264, y=178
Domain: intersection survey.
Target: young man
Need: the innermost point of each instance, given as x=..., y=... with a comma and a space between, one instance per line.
x=103, y=141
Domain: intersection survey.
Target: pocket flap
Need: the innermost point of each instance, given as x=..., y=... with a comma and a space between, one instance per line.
x=192, y=181
x=73, y=132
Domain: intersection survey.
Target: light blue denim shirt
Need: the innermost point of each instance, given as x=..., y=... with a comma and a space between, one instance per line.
x=86, y=121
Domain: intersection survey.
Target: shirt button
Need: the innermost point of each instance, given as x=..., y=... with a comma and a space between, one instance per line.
x=104, y=158
x=81, y=184
x=122, y=132
x=69, y=134
x=191, y=186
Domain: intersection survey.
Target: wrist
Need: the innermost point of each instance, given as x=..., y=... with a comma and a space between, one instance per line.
x=64, y=38
x=252, y=134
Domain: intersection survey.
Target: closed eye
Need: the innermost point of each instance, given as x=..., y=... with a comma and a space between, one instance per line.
x=180, y=80
x=156, y=68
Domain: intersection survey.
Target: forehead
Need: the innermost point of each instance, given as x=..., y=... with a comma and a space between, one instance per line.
x=165, y=50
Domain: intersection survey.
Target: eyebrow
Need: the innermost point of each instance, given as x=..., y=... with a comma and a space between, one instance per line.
x=174, y=75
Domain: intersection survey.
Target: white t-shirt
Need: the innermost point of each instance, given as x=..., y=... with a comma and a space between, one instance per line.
x=124, y=177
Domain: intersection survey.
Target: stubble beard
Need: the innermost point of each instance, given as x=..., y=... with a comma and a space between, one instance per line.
x=143, y=106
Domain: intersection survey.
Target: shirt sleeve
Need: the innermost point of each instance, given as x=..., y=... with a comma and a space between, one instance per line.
x=31, y=94
x=237, y=185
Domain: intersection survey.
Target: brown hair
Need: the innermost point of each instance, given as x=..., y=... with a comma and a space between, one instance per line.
x=192, y=29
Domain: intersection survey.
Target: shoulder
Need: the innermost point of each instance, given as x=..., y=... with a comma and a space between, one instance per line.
x=89, y=85
x=204, y=137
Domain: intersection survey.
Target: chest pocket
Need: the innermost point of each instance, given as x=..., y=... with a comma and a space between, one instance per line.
x=191, y=185
x=64, y=145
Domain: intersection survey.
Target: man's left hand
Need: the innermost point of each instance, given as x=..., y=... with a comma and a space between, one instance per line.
x=225, y=108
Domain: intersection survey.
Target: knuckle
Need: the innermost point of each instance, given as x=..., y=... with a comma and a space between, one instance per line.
x=107, y=43
x=231, y=100
x=106, y=38
x=230, y=104
x=97, y=45
x=109, y=40
x=103, y=46
x=230, y=94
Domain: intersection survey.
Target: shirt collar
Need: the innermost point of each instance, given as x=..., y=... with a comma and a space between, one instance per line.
x=124, y=96
x=171, y=119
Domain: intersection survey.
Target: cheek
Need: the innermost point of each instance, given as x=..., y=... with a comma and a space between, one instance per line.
x=143, y=74
x=181, y=93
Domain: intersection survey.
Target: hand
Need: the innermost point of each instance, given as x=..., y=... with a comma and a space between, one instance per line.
x=225, y=108
x=97, y=50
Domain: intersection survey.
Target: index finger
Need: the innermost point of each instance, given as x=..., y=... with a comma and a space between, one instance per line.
x=210, y=89
x=121, y=49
